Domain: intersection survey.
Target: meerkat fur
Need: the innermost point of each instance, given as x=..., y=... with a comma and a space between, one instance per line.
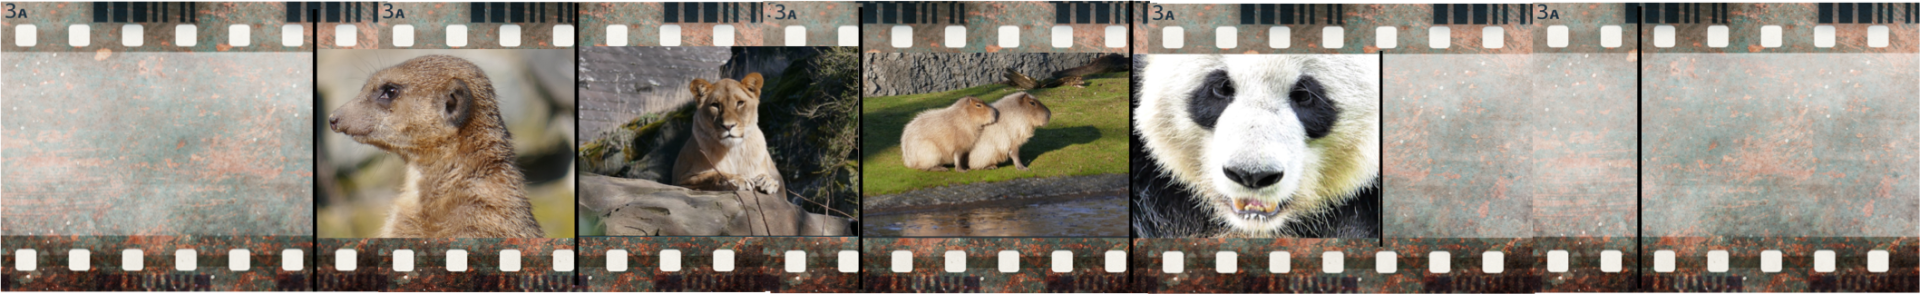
x=439, y=114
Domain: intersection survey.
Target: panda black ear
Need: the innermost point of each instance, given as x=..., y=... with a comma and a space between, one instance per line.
x=459, y=104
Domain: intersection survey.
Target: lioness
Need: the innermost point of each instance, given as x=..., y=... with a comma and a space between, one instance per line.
x=727, y=152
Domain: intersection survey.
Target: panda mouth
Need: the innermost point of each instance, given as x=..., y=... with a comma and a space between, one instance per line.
x=1254, y=209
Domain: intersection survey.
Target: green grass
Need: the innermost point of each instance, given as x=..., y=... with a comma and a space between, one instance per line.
x=1087, y=136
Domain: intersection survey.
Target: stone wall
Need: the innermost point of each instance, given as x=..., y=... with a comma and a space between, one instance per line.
x=890, y=74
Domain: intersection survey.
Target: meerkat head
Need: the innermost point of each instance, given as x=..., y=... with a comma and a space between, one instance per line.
x=421, y=105
x=727, y=108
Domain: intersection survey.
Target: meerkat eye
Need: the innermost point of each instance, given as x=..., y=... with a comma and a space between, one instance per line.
x=386, y=95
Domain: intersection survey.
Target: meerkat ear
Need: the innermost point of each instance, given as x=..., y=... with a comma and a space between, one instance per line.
x=753, y=82
x=459, y=104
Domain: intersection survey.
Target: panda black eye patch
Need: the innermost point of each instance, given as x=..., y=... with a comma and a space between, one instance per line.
x=1310, y=105
x=1210, y=99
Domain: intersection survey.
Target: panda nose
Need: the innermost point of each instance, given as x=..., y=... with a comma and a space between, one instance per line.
x=1254, y=179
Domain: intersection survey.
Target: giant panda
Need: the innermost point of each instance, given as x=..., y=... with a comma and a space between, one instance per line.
x=1256, y=146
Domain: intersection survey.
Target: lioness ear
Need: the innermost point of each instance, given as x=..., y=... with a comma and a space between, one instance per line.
x=459, y=104
x=699, y=89
x=753, y=82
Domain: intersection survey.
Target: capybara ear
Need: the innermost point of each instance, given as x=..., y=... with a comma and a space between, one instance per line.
x=753, y=82
x=699, y=89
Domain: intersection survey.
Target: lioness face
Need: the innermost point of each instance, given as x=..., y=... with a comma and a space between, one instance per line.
x=727, y=108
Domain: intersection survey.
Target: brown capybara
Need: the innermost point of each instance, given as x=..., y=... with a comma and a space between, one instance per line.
x=941, y=136
x=1020, y=114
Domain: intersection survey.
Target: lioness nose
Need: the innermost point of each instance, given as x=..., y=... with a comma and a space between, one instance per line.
x=728, y=125
x=333, y=123
x=1254, y=179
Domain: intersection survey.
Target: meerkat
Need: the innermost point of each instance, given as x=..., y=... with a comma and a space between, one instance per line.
x=942, y=136
x=1020, y=114
x=439, y=114
x=728, y=152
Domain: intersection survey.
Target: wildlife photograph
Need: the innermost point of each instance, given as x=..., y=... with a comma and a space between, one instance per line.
x=1256, y=146
x=719, y=141
x=466, y=143
x=994, y=144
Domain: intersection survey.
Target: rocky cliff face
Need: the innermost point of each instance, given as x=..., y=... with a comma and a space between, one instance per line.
x=889, y=74
x=618, y=84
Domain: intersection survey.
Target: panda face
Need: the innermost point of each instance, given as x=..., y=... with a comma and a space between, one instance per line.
x=1258, y=136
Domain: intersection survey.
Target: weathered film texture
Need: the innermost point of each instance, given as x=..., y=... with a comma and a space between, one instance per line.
x=158, y=144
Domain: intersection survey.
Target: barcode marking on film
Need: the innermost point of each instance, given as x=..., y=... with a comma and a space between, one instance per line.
x=897, y=12
x=111, y=12
x=1292, y=14
x=1865, y=12
x=710, y=12
x=1678, y=13
x=520, y=12
x=1480, y=14
x=1083, y=12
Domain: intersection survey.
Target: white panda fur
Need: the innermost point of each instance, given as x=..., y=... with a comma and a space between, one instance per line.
x=1329, y=184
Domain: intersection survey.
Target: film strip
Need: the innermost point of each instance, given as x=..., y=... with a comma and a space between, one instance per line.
x=1487, y=102
x=430, y=25
x=961, y=26
x=154, y=27
x=653, y=75
x=1038, y=221
x=771, y=23
x=504, y=71
x=1698, y=235
x=136, y=161
x=177, y=146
